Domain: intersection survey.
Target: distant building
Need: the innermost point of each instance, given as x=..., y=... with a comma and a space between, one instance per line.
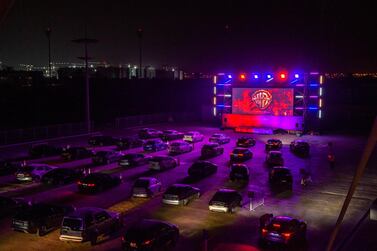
x=21, y=78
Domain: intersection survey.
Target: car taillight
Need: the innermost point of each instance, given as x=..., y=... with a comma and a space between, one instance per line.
x=264, y=231
x=91, y=185
x=79, y=183
x=123, y=239
x=147, y=242
x=286, y=235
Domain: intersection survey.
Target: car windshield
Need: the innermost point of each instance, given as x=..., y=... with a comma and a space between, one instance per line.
x=73, y=223
x=281, y=172
x=223, y=196
x=142, y=183
x=278, y=225
x=176, y=189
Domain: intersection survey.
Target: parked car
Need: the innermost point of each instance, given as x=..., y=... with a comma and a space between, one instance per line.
x=44, y=150
x=88, y=223
x=133, y=159
x=193, y=136
x=245, y=141
x=146, y=187
x=219, y=138
x=280, y=176
x=154, y=145
x=274, y=144
x=240, y=154
x=202, y=169
x=33, y=172
x=282, y=229
x=150, y=235
x=10, y=206
x=101, y=140
x=225, y=200
x=161, y=163
x=211, y=150
x=179, y=147
x=97, y=182
x=274, y=158
x=180, y=194
x=39, y=218
x=59, y=176
x=239, y=172
x=106, y=157
x=75, y=153
x=125, y=143
x=300, y=147
x=149, y=133
x=168, y=135
x=8, y=167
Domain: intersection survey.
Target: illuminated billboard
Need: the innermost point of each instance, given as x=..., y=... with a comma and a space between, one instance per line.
x=263, y=101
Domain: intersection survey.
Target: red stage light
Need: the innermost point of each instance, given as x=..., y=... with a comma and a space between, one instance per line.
x=242, y=76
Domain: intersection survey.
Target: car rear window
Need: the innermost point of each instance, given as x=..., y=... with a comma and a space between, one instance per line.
x=275, y=155
x=281, y=172
x=73, y=223
x=223, y=196
x=240, y=170
x=176, y=189
x=158, y=158
x=239, y=150
x=142, y=183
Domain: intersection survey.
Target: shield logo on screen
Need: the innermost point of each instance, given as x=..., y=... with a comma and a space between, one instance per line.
x=262, y=99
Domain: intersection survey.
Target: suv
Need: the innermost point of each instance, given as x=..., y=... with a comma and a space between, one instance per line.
x=39, y=218
x=180, y=194
x=149, y=133
x=274, y=158
x=146, y=187
x=106, y=157
x=193, y=137
x=154, y=145
x=240, y=154
x=150, y=235
x=219, y=138
x=245, y=142
x=300, y=147
x=77, y=152
x=101, y=140
x=133, y=159
x=161, y=163
x=211, y=150
x=280, y=176
x=225, y=200
x=281, y=229
x=239, y=172
x=274, y=144
x=201, y=169
x=179, y=147
x=33, y=172
x=88, y=223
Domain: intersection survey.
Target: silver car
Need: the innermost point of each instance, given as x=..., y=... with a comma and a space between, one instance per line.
x=146, y=187
x=88, y=223
x=180, y=194
x=179, y=147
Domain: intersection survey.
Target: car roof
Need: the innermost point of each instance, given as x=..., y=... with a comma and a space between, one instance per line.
x=226, y=190
x=240, y=149
x=161, y=157
x=84, y=211
x=38, y=165
x=239, y=165
x=275, y=152
x=273, y=140
x=146, y=178
x=180, y=185
x=283, y=218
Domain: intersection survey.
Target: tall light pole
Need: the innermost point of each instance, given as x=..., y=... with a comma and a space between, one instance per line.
x=48, y=34
x=140, y=38
x=86, y=41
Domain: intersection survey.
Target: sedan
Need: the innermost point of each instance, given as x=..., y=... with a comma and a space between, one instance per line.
x=225, y=200
x=219, y=138
x=240, y=154
x=274, y=144
x=245, y=142
x=201, y=169
x=239, y=172
x=300, y=147
x=180, y=194
x=149, y=133
x=61, y=176
x=168, y=135
x=106, y=157
x=193, y=136
x=125, y=143
x=280, y=176
x=281, y=229
x=133, y=159
x=97, y=182
x=154, y=145
x=101, y=140
x=179, y=148
x=161, y=163
x=33, y=172
x=146, y=187
x=75, y=153
x=211, y=150
x=274, y=158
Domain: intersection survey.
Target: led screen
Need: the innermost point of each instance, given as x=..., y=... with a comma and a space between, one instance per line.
x=263, y=101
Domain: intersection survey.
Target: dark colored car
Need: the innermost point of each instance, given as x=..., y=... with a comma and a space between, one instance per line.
x=240, y=154
x=106, y=157
x=40, y=218
x=274, y=158
x=146, y=187
x=168, y=135
x=150, y=235
x=246, y=142
x=239, y=172
x=101, y=140
x=201, y=169
x=61, y=176
x=225, y=200
x=125, y=143
x=180, y=194
x=44, y=150
x=219, y=138
x=282, y=230
x=7, y=167
x=211, y=150
x=97, y=182
x=133, y=159
x=149, y=133
x=300, y=147
x=88, y=223
x=75, y=153
x=10, y=206
x=280, y=176
x=154, y=145
x=179, y=147
x=274, y=144
x=161, y=163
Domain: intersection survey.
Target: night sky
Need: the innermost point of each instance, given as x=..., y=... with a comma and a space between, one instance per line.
x=211, y=36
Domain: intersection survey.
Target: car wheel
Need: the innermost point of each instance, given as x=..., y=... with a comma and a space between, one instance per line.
x=41, y=230
x=198, y=195
x=185, y=202
x=93, y=239
x=232, y=210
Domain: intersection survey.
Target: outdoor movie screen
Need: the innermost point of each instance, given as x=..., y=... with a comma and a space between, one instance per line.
x=263, y=101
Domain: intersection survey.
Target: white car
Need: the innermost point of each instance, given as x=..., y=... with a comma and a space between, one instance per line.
x=179, y=147
x=33, y=172
x=193, y=136
x=219, y=138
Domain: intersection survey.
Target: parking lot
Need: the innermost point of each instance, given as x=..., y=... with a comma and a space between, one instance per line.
x=318, y=204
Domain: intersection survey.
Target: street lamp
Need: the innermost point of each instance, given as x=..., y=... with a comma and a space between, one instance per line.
x=140, y=36
x=48, y=34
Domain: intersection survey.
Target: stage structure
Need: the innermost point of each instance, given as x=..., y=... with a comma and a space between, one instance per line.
x=264, y=102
